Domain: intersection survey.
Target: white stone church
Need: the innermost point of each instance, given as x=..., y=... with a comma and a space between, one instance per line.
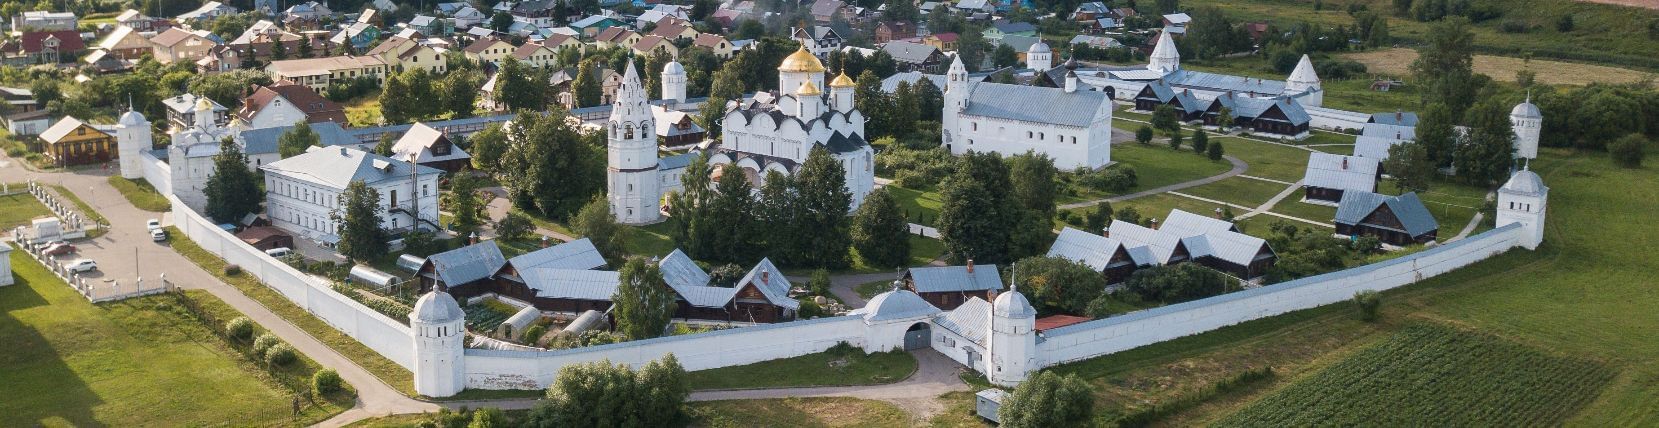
x=767, y=132
x=1072, y=126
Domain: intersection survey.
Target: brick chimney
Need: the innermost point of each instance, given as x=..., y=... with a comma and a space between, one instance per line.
x=1344, y=163
x=1154, y=224
x=766, y=277
x=970, y=265
x=545, y=241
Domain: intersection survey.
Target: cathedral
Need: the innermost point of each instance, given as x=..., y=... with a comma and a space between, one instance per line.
x=771, y=131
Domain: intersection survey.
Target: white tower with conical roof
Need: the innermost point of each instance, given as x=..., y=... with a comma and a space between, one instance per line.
x=438, y=326
x=1522, y=200
x=132, y=138
x=957, y=89
x=1165, y=58
x=1304, y=84
x=673, y=82
x=632, y=181
x=1528, y=123
x=1013, y=347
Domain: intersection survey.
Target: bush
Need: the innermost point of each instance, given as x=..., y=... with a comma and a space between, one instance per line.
x=240, y=328
x=513, y=227
x=1340, y=69
x=1514, y=26
x=1049, y=400
x=265, y=342
x=819, y=284
x=1116, y=179
x=280, y=354
x=1143, y=134
x=532, y=334
x=1200, y=141
x=1215, y=150
x=1627, y=151
x=1564, y=24
x=232, y=270
x=1367, y=303
x=326, y=381
x=1175, y=139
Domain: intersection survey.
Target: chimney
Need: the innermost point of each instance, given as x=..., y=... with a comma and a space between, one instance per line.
x=1399, y=116
x=342, y=150
x=1218, y=212
x=1344, y=163
x=1107, y=232
x=766, y=277
x=970, y=265
x=1154, y=223
x=545, y=241
x=472, y=239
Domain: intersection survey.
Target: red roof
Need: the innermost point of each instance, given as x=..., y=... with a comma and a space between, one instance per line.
x=315, y=107
x=70, y=40
x=1057, y=321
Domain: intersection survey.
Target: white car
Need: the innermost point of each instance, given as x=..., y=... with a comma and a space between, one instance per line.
x=82, y=265
x=152, y=225
x=158, y=235
x=279, y=252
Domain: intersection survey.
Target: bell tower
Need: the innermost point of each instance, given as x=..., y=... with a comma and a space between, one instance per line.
x=632, y=183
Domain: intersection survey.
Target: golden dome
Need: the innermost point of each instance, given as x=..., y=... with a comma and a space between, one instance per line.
x=802, y=61
x=842, y=81
x=202, y=104
x=807, y=88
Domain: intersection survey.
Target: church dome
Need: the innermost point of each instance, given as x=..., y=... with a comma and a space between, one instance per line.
x=673, y=67
x=1038, y=47
x=807, y=88
x=203, y=104
x=1524, y=182
x=897, y=304
x=1526, y=109
x=133, y=118
x=1013, y=305
x=802, y=62
x=436, y=307
x=842, y=81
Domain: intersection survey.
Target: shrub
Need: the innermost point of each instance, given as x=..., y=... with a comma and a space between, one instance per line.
x=1048, y=400
x=1116, y=179
x=326, y=381
x=1175, y=139
x=1215, y=150
x=1513, y=26
x=513, y=227
x=15, y=152
x=809, y=309
x=1143, y=134
x=232, y=270
x=1627, y=151
x=532, y=334
x=265, y=342
x=1564, y=24
x=819, y=284
x=1367, y=302
x=1200, y=141
x=240, y=328
x=280, y=354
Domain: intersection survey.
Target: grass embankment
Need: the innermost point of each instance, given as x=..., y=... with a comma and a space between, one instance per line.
x=1583, y=295
x=127, y=363
x=141, y=194
x=388, y=371
x=839, y=366
x=798, y=412
x=16, y=210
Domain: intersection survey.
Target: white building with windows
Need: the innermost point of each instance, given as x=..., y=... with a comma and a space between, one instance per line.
x=190, y=156
x=303, y=193
x=1071, y=126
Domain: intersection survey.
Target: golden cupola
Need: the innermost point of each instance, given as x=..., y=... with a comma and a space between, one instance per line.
x=802, y=61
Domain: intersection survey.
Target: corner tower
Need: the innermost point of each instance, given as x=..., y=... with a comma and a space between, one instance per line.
x=132, y=139
x=1165, y=58
x=438, y=326
x=1304, y=80
x=1523, y=200
x=1013, y=346
x=632, y=183
x=1528, y=123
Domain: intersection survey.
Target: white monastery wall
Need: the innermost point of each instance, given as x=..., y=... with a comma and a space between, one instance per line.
x=1119, y=333
x=156, y=172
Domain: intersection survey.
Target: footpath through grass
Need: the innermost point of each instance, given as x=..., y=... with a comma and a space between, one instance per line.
x=141, y=194
x=134, y=362
x=839, y=366
x=388, y=371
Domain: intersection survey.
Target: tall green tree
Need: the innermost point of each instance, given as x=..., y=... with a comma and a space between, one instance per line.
x=821, y=185
x=489, y=146
x=549, y=168
x=731, y=215
x=600, y=394
x=361, y=237
x=586, y=88
x=596, y=222
x=1445, y=65
x=1058, y=285
x=906, y=107
x=1410, y=166
x=233, y=190
x=880, y=232
x=1033, y=177
x=460, y=93
x=974, y=220
x=777, y=207
x=874, y=103
x=1048, y=399
x=297, y=139
x=515, y=86
x=1436, y=130
x=1486, y=152
x=709, y=116
x=643, y=304
x=687, y=208
x=464, y=204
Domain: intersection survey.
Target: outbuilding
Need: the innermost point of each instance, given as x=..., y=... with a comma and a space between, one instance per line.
x=947, y=287
x=1395, y=220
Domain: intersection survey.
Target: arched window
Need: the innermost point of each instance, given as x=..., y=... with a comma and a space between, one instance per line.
x=627, y=130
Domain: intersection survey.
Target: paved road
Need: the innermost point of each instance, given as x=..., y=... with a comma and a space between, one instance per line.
x=127, y=252
x=1238, y=168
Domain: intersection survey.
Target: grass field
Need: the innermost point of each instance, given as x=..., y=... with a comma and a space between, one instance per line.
x=1294, y=207
x=388, y=371
x=128, y=363
x=1239, y=190
x=1578, y=296
x=1453, y=204
x=830, y=368
x=1267, y=160
x=364, y=111
x=798, y=412
x=1503, y=69
x=1157, y=165
x=921, y=207
x=141, y=194
x=924, y=249
x=16, y=210
x=649, y=241
x=1434, y=375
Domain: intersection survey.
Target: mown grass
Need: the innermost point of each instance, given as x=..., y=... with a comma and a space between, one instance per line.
x=1238, y=190
x=141, y=194
x=1157, y=165
x=388, y=371
x=835, y=367
x=1435, y=375
x=128, y=363
x=798, y=412
x=1267, y=160
x=17, y=210
x=919, y=206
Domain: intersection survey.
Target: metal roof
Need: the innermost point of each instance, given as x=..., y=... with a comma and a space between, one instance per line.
x=1202, y=236
x=1413, y=216
x=897, y=304
x=1334, y=171
x=972, y=320
x=1084, y=247
x=337, y=167
x=1035, y=104
x=578, y=254
x=1524, y=182
x=467, y=264
x=1403, y=118
x=557, y=283
x=264, y=140
x=955, y=278
x=436, y=307
x=691, y=283
x=677, y=161
x=775, y=288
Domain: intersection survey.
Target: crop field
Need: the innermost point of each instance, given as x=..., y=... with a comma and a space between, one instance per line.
x=1502, y=68
x=1428, y=375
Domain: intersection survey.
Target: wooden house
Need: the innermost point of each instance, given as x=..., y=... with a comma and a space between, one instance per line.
x=947, y=287
x=72, y=142
x=1395, y=220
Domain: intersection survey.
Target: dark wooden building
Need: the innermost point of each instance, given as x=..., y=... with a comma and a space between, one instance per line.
x=1105, y=255
x=1395, y=220
x=1329, y=176
x=947, y=287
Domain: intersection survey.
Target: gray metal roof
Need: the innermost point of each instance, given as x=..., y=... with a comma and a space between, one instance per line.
x=337, y=167
x=580, y=284
x=1524, y=182
x=1334, y=171
x=578, y=254
x=972, y=320
x=467, y=264
x=914, y=53
x=1402, y=118
x=1084, y=247
x=691, y=283
x=1021, y=44
x=436, y=307
x=1035, y=104
x=1224, y=82
x=264, y=140
x=676, y=161
x=1202, y=236
x=897, y=304
x=1415, y=217
x=775, y=288
x=955, y=278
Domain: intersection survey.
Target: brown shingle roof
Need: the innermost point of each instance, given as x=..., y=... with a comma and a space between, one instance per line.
x=315, y=107
x=70, y=40
x=613, y=34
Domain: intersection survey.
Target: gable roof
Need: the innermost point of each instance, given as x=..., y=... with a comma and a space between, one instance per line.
x=1408, y=208
x=578, y=254
x=467, y=264
x=175, y=35
x=971, y=320
x=691, y=283
x=583, y=284
x=1087, y=248
x=914, y=53
x=264, y=140
x=944, y=279
x=709, y=40
x=68, y=40
x=826, y=7
x=1008, y=27
x=775, y=287
x=1334, y=171
x=1201, y=236
x=337, y=167
x=316, y=108
x=1035, y=104
x=1402, y=118
x=420, y=139
x=62, y=129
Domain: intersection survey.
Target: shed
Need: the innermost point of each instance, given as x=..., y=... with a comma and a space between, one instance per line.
x=266, y=238
x=988, y=402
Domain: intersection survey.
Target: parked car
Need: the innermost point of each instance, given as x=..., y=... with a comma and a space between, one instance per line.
x=279, y=252
x=82, y=265
x=158, y=235
x=152, y=224
x=61, y=248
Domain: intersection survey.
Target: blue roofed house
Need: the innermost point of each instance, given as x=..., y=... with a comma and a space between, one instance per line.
x=1329, y=176
x=462, y=269
x=359, y=34
x=1395, y=220
x=947, y=287
x=592, y=25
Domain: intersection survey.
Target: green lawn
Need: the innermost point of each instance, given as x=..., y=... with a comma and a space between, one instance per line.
x=1158, y=206
x=1239, y=190
x=364, y=111
x=16, y=210
x=872, y=288
x=1294, y=207
x=1267, y=160
x=1453, y=204
x=129, y=363
x=1326, y=137
x=1577, y=297
x=798, y=412
x=141, y=194
x=649, y=241
x=1157, y=165
x=835, y=367
x=921, y=207
x=924, y=249
x=388, y=371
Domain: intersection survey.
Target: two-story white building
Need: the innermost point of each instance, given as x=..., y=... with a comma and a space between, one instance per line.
x=303, y=193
